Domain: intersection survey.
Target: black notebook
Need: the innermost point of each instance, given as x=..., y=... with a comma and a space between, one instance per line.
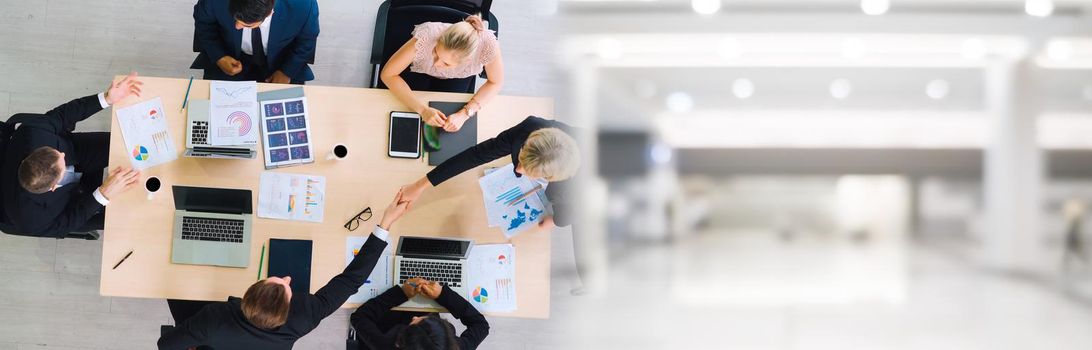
x=291, y=257
x=453, y=143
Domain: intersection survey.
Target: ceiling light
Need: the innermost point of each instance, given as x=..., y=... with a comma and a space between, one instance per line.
x=1039, y=8
x=853, y=48
x=840, y=88
x=1060, y=50
x=743, y=88
x=705, y=7
x=973, y=49
x=937, y=89
x=609, y=49
x=680, y=102
x=728, y=48
x=660, y=154
x=875, y=7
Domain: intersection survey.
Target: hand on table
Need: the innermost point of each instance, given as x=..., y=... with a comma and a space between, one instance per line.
x=456, y=120
x=120, y=90
x=429, y=289
x=118, y=181
x=547, y=223
x=278, y=77
x=411, y=286
x=434, y=117
x=229, y=65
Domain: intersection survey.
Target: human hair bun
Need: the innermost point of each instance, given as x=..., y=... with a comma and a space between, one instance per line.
x=476, y=22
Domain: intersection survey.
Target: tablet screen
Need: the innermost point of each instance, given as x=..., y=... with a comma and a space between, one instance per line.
x=405, y=134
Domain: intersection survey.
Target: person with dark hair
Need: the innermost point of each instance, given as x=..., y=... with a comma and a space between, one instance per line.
x=269, y=316
x=379, y=327
x=269, y=41
x=52, y=181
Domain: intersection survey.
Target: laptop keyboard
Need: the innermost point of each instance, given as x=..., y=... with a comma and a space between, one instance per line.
x=446, y=273
x=215, y=230
x=200, y=133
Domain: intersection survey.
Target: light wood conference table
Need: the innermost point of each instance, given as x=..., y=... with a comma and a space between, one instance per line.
x=367, y=177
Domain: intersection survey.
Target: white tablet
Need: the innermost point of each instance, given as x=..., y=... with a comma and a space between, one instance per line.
x=405, y=135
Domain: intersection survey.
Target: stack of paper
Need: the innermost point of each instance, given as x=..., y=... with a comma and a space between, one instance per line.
x=144, y=128
x=380, y=280
x=491, y=279
x=501, y=186
x=292, y=196
x=233, y=113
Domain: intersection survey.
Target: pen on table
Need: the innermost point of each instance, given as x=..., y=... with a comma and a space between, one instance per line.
x=261, y=260
x=187, y=98
x=525, y=195
x=122, y=260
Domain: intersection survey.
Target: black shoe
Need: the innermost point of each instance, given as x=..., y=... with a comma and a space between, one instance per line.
x=89, y=235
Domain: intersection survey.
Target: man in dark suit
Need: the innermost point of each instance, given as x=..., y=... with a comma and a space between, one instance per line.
x=261, y=40
x=269, y=316
x=52, y=180
x=379, y=327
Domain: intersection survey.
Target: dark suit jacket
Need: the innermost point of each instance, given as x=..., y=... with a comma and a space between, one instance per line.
x=222, y=326
x=66, y=209
x=509, y=143
x=292, y=36
x=368, y=319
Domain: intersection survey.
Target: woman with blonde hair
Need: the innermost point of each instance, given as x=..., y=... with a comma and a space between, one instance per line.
x=543, y=150
x=451, y=53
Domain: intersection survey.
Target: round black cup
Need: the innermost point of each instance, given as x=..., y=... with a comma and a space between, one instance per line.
x=152, y=184
x=341, y=151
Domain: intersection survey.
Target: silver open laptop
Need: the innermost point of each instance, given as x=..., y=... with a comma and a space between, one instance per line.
x=197, y=136
x=211, y=226
x=436, y=259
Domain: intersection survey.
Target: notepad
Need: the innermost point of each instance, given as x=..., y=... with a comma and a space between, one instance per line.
x=291, y=257
x=452, y=143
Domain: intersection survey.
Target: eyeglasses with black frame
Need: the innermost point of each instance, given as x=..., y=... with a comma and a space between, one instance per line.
x=360, y=217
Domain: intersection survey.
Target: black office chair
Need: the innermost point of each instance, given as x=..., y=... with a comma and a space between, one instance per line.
x=396, y=18
x=7, y=128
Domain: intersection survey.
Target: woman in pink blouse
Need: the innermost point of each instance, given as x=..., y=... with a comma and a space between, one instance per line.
x=447, y=51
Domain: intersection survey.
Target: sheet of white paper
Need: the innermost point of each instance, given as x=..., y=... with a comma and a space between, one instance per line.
x=144, y=128
x=286, y=132
x=501, y=186
x=491, y=281
x=292, y=196
x=380, y=279
x=233, y=113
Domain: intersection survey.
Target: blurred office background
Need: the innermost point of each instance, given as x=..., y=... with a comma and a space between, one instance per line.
x=834, y=174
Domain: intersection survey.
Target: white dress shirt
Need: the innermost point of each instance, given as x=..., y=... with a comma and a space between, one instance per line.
x=248, y=47
x=380, y=233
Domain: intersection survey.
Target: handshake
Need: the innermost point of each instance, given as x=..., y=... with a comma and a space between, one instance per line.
x=417, y=285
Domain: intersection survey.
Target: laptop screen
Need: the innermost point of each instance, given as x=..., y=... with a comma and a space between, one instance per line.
x=433, y=247
x=212, y=200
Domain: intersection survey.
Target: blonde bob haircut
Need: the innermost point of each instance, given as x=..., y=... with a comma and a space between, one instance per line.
x=550, y=154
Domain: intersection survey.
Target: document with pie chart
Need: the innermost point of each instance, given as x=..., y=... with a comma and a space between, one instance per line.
x=144, y=129
x=491, y=279
x=233, y=113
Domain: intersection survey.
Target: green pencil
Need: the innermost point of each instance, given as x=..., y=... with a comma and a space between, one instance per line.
x=187, y=98
x=261, y=259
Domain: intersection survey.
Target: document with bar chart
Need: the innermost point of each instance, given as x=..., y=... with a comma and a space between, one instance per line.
x=144, y=129
x=292, y=196
x=501, y=190
x=491, y=278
